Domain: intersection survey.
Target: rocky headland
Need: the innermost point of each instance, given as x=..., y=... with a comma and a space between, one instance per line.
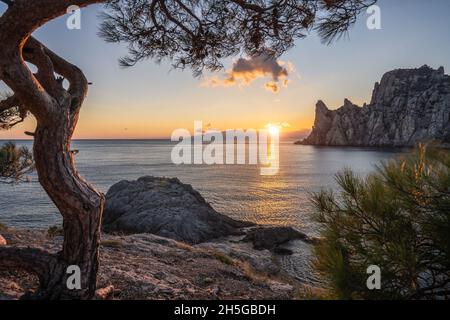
x=408, y=106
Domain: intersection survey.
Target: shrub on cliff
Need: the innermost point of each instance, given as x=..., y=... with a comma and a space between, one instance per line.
x=398, y=219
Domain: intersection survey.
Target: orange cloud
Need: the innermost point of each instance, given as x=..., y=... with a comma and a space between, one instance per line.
x=245, y=71
x=272, y=86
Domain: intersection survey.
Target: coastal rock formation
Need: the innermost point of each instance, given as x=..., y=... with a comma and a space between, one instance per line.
x=146, y=266
x=165, y=207
x=271, y=237
x=408, y=106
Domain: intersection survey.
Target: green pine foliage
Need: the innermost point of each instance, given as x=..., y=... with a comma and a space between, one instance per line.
x=398, y=219
x=15, y=163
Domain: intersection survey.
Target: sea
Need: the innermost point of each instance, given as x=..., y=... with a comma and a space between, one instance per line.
x=239, y=191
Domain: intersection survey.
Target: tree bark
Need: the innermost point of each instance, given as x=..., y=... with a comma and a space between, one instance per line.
x=56, y=111
x=80, y=205
x=78, y=202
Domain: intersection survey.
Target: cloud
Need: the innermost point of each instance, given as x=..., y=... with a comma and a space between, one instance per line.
x=272, y=86
x=245, y=71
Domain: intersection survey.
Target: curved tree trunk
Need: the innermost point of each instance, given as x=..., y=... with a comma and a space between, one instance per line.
x=56, y=110
x=78, y=202
x=81, y=207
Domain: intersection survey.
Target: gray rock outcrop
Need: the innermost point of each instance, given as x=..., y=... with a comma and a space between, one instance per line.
x=408, y=106
x=146, y=266
x=165, y=207
x=271, y=237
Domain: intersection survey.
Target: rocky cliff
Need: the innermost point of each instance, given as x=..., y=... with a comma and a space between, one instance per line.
x=408, y=106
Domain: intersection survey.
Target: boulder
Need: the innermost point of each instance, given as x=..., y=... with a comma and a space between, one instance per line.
x=165, y=207
x=2, y=241
x=261, y=261
x=408, y=106
x=271, y=237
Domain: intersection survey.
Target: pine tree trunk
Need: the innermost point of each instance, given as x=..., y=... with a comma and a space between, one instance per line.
x=56, y=110
x=80, y=205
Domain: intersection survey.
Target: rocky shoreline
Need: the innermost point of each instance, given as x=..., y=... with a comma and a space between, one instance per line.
x=169, y=208
x=146, y=266
x=164, y=241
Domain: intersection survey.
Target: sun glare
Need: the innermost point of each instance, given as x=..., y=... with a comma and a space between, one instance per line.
x=273, y=129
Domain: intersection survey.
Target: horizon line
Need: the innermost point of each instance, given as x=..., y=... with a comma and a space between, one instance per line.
x=115, y=139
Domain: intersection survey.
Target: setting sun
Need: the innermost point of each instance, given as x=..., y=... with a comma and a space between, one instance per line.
x=273, y=130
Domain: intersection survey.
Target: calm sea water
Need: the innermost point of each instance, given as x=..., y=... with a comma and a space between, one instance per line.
x=235, y=190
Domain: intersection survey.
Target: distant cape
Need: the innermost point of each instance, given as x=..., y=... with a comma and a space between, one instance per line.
x=408, y=106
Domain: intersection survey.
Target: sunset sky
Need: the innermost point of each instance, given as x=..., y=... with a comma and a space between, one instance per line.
x=150, y=100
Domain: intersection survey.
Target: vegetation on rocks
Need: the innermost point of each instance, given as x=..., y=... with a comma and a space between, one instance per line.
x=398, y=219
